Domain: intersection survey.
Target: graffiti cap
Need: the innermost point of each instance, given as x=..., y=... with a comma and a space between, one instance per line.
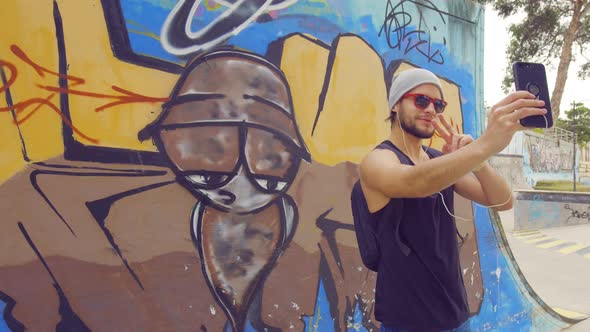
x=274, y=115
x=408, y=80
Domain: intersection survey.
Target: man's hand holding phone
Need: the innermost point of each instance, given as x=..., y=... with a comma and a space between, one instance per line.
x=531, y=77
x=505, y=118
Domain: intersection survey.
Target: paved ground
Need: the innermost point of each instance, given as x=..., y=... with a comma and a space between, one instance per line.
x=556, y=263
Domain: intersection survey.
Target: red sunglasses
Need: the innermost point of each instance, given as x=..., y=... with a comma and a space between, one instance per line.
x=422, y=101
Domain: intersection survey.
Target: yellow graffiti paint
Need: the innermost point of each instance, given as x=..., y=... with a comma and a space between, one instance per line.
x=34, y=32
x=304, y=63
x=211, y=5
x=351, y=120
x=142, y=30
x=89, y=58
x=93, y=60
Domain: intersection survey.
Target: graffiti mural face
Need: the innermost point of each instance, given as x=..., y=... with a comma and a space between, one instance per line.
x=229, y=134
x=246, y=186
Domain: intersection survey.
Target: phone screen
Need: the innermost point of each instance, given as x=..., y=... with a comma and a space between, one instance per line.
x=531, y=77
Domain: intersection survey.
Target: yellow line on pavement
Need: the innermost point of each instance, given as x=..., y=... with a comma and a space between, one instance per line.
x=526, y=232
x=524, y=237
x=574, y=248
x=551, y=244
x=544, y=238
x=569, y=313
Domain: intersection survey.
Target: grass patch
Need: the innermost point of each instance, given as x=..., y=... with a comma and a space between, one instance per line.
x=561, y=185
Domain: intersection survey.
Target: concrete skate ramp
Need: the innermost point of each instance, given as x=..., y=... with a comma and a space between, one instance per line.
x=510, y=300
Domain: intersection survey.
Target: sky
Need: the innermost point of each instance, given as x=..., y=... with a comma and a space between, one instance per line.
x=495, y=43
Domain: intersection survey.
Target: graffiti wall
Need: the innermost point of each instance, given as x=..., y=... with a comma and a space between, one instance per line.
x=510, y=167
x=547, y=156
x=544, y=157
x=186, y=165
x=544, y=209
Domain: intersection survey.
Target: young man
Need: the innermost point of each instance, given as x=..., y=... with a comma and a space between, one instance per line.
x=419, y=283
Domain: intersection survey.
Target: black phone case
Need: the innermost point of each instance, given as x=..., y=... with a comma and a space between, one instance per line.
x=531, y=77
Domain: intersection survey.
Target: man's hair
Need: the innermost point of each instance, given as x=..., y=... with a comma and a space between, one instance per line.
x=391, y=117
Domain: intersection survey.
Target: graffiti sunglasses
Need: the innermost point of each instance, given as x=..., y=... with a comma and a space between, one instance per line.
x=422, y=101
x=210, y=169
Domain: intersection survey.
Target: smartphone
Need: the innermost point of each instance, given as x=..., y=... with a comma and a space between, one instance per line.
x=531, y=77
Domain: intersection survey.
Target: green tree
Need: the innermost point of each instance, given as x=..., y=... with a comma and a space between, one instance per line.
x=549, y=30
x=578, y=121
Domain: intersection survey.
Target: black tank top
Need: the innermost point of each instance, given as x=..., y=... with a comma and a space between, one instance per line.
x=419, y=283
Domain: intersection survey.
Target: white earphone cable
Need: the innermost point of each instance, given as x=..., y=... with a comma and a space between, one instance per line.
x=441, y=195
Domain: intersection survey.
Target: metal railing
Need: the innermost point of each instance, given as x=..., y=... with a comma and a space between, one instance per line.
x=560, y=134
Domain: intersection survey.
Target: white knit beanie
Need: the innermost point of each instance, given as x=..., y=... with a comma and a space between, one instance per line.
x=408, y=80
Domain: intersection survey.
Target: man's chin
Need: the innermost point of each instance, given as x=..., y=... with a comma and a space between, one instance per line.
x=429, y=135
x=423, y=134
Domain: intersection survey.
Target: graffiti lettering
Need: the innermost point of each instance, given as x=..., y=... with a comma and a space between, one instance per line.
x=547, y=157
x=577, y=214
x=127, y=97
x=398, y=32
x=19, y=108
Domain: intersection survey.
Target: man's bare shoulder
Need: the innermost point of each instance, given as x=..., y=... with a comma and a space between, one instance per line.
x=376, y=161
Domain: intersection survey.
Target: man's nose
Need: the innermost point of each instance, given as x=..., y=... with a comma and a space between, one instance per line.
x=430, y=108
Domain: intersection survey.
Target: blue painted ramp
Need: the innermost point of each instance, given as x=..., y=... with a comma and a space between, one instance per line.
x=510, y=303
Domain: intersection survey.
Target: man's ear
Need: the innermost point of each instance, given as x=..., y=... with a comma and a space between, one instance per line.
x=395, y=108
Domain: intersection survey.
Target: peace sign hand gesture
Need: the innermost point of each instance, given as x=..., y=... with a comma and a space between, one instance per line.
x=453, y=140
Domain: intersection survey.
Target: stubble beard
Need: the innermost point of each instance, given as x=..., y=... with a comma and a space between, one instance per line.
x=412, y=129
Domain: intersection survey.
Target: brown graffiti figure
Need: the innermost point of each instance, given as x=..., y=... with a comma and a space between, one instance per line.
x=229, y=134
x=235, y=233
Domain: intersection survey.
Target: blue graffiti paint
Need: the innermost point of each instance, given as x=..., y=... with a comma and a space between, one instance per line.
x=505, y=307
x=355, y=324
x=502, y=305
x=142, y=17
x=322, y=319
x=3, y=326
x=271, y=31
